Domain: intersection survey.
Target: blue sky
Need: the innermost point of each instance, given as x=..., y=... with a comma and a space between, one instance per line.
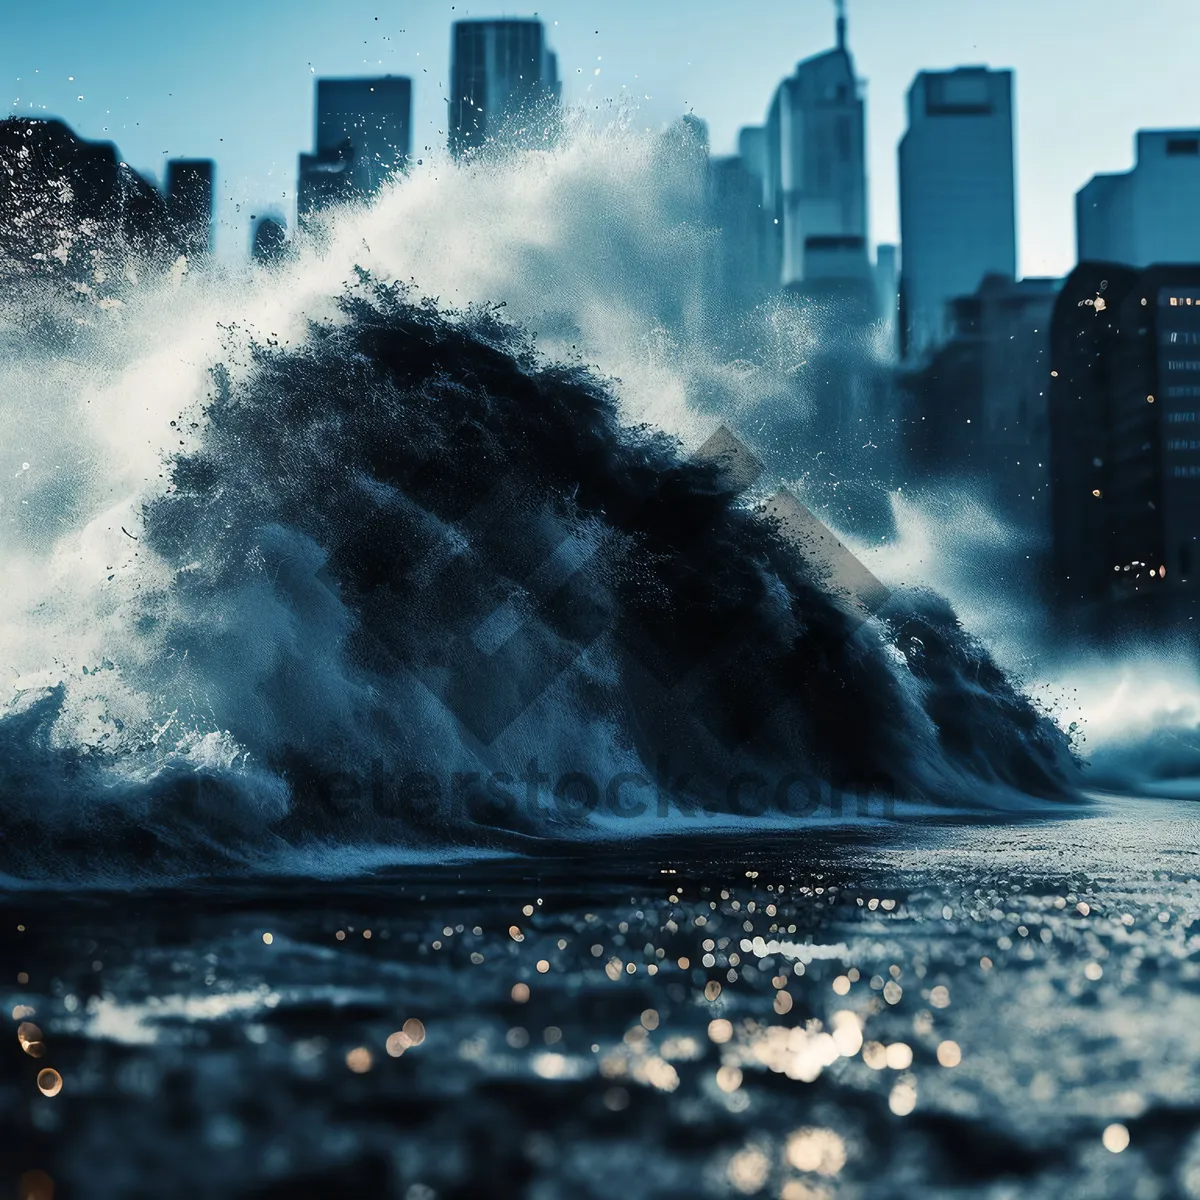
x=232, y=79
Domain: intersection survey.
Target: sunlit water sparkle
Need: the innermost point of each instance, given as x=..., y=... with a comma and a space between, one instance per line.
x=993, y=1010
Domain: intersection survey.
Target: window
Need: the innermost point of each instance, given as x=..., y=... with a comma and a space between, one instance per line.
x=1177, y=146
x=958, y=93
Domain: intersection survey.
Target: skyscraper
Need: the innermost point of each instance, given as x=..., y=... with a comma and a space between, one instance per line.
x=190, y=204
x=363, y=136
x=72, y=208
x=957, y=196
x=745, y=270
x=887, y=290
x=268, y=239
x=815, y=189
x=975, y=407
x=1149, y=214
x=1125, y=443
x=503, y=84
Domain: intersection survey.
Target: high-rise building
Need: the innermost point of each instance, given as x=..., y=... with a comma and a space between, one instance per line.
x=957, y=197
x=1125, y=444
x=190, y=204
x=363, y=137
x=815, y=180
x=268, y=239
x=73, y=209
x=745, y=269
x=1149, y=214
x=887, y=291
x=504, y=84
x=976, y=407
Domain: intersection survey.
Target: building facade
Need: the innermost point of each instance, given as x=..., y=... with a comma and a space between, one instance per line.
x=957, y=196
x=504, y=85
x=362, y=138
x=887, y=292
x=1125, y=444
x=814, y=170
x=976, y=408
x=190, y=183
x=1146, y=215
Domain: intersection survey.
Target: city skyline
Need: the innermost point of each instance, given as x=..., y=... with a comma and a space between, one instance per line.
x=1083, y=87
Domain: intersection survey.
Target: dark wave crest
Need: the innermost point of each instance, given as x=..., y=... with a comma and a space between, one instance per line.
x=411, y=549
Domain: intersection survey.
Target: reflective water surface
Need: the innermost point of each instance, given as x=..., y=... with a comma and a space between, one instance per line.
x=996, y=1010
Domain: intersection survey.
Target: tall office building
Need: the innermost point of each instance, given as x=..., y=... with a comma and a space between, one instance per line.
x=975, y=408
x=957, y=196
x=887, y=291
x=745, y=270
x=363, y=137
x=71, y=208
x=504, y=84
x=1125, y=444
x=190, y=204
x=268, y=240
x=815, y=185
x=1149, y=214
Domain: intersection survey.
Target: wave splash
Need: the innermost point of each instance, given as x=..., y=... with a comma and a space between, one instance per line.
x=294, y=576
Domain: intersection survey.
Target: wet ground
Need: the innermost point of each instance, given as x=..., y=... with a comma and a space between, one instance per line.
x=946, y=1011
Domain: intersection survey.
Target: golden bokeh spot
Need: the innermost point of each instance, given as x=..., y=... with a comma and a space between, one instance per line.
x=1115, y=1138
x=720, y=1031
x=949, y=1054
x=729, y=1079
x=359, y=1060
x=49, y=1081
x=819, y=1151
x=35, y=1185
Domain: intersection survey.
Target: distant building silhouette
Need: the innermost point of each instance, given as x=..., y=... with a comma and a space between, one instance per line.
x=815, y=179
x=1125, y=444
x=363, y=137
x=504, y=84
x=269, y=240
x=71, y=208
x=1148, y=214
x=887, y=290
x=745, y=269
x=190, y=204
x=957, y=198
x=976, y=408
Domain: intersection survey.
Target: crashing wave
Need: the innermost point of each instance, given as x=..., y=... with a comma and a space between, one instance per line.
x=408, y=557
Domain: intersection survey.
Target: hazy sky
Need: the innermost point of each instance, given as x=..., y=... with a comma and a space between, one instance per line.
x=232, y=79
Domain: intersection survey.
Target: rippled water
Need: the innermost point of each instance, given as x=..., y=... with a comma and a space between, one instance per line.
x=998, y=1010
